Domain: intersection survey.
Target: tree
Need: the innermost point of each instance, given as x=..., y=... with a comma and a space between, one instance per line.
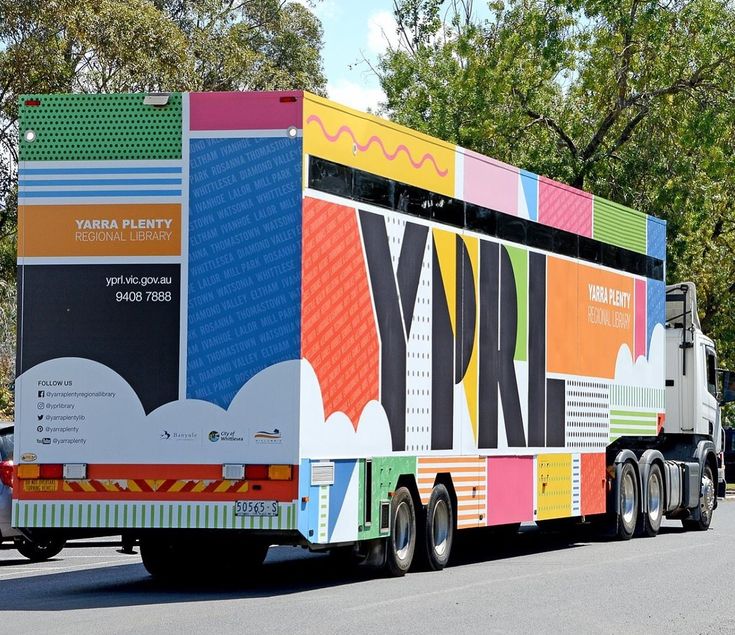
x=136, y=46
x=629, y=99
x=145, y=45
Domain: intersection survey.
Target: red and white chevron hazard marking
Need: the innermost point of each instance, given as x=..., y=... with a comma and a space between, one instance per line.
x=160, y=485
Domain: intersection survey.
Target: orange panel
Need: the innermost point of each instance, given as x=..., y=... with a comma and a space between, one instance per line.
x=338, y=332
x=593, y=483
x=590, y=316
x=561, y=308
x=99, y=230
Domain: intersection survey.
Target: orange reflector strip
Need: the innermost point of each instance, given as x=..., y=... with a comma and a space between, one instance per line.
x=28, y=471
x=279, y=472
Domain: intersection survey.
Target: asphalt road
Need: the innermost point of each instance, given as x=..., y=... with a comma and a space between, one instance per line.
x=678, y=582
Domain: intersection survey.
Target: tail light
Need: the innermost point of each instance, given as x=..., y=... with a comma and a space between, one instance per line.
x=268, y=472
x=45, y=470
x=6, y=473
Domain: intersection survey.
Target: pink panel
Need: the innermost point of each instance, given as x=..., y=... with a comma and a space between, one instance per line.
x=640, y=318
x=564, y=207
x=490, y=183
x=245, y=111
x=509, y=489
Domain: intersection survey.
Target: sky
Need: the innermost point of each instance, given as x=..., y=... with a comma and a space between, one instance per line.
x=355, y=30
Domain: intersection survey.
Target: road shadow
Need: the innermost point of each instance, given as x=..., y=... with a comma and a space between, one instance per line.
x=286, y=571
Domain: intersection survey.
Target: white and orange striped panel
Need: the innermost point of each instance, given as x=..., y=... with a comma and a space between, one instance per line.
x=469, y=476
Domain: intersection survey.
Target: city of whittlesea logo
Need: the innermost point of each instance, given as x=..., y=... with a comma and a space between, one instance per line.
x=214, y=436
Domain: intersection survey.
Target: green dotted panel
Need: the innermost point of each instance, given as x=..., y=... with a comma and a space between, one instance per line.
x=99, y=127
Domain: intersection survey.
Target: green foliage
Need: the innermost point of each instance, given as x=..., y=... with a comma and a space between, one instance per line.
x=631, y=99
x=93, y=46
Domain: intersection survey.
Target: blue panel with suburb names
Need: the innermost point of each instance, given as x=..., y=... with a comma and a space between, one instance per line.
x=244, y=261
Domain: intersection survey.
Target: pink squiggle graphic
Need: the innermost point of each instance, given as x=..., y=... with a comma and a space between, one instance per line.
x=379, y=141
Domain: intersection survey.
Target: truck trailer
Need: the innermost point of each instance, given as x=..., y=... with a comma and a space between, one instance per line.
x=254, y=319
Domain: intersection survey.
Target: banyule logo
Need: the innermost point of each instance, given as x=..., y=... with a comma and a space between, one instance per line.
x=268, y=436
x=165, y=434
x=185, y=436
x=214, y=436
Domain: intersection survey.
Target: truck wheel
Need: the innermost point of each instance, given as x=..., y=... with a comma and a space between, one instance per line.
x=42, y=547
x=401, y=543
x=627, y=517
x=161, y=557
x=706, y=504
x=651, y=520
x=439, y=526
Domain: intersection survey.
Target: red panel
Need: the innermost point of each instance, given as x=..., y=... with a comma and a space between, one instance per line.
x=245, y=111
x=338, y=333
x=593, y=483
x=564, y=207
x=509, y=489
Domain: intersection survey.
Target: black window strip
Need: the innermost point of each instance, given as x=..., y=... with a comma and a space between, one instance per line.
x=333, y=178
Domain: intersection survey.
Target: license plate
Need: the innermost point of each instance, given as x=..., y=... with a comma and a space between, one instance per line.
x=256, y=508
x=40, y=485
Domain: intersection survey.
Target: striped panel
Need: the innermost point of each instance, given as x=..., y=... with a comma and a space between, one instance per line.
x=576, y=484
x=632, y=423
x=323, y=527
x=586, y=418
x=637, y=397
x=159, y=485
x=619, y=225
x=634, y=410
x=139, y=515
x=469, y=477
x=103, y=182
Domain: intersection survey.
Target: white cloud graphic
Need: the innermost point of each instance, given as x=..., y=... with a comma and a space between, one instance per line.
x=97, y=418
x=645, y=372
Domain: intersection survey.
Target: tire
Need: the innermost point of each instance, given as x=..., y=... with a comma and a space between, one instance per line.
x=628, y=504
x=162, y=558
x=651, y=519
x=42, y=548
x=401, y=543
x=439, y=528
x=706, y=504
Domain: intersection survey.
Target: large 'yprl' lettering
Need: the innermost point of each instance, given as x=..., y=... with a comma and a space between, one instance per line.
x=394, y=315
x=493, y=311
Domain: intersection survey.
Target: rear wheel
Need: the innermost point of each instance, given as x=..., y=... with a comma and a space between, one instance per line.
x=627, y=514
x=651, y=520
x=162, y=557
x=706, y=503
x=41, y=548
x=439, y=533
x=401, y=542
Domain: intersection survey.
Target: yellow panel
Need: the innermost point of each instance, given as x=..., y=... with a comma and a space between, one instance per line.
x=446, y=253
x=471, y=376
x=554, y=486
x=362, y=141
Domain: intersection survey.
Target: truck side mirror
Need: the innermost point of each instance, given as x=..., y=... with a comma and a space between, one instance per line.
x=726, y=381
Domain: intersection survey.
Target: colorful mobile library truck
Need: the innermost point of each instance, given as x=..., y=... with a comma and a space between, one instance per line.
x=264, y=318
